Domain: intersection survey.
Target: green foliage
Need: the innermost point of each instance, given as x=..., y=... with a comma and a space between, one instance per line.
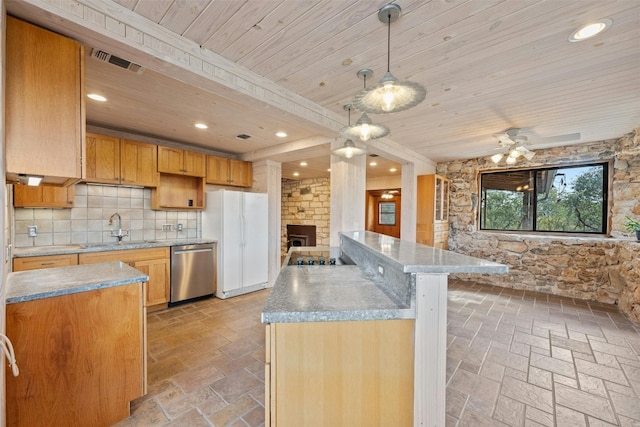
x=577, y=207
x=632, y=225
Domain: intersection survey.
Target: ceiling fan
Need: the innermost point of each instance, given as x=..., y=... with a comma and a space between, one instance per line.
x=513, y=143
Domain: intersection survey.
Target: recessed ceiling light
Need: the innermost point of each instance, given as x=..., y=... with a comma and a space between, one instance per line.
x=303, y=163
x=201, y=126
x=96, y=97
x=590, y=30
x=373, y=164
x=281, y=134
x=296, y=174
x=393, y=170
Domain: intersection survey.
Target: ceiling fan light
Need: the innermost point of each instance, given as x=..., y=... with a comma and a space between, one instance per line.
x=529, y=155
x=497, y=157
x=514, y=154
x=511, y=160
x=348, y=150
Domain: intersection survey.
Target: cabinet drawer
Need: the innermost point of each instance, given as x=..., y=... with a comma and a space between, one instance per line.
x=127, y=255
x=48, y=261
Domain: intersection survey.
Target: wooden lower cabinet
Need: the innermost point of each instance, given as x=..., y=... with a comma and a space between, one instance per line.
x=154, y=262
x=81, y=358
x=339, y=373
x=47, y=261
x=156, y=290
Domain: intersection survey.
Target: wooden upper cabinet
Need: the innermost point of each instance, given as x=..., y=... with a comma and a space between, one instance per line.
x=44, y=104
x=138, y=162
x=43, y=196
x=217, y=170
x=240, y=173
x=181, y=162
x=232, y=172
x=112, y=160
x=103, y=159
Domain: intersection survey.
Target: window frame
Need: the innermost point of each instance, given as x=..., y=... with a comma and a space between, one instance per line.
x=606, y=210
x=395, y=212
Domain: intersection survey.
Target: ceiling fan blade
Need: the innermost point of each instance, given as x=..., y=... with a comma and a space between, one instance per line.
x=557, y=138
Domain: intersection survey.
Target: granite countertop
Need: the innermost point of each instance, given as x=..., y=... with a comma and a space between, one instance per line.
x=316, y=293
x=102, y=247
x=51, y=282
x=380, y=287
x=417, y=258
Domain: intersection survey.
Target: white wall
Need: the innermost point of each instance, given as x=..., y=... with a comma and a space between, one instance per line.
x=267, y=177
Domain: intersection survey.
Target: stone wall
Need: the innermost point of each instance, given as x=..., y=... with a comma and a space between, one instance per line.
x=600, y=269
x=306, y=202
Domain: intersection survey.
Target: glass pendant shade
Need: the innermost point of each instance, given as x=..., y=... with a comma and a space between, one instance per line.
x=390, y=95
x=364, y=129
x=348, y=150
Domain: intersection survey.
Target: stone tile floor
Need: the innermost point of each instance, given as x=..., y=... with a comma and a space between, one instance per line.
x=514, y=358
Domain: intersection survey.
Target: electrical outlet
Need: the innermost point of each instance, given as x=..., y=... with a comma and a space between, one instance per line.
x=381, y=270
x=179, y=227
x=33, y=230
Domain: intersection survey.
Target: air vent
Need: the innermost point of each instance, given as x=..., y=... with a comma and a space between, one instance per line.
x=243, y=136
x=103, y=56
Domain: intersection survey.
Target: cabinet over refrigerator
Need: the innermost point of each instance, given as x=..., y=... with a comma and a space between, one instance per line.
x=238, y=221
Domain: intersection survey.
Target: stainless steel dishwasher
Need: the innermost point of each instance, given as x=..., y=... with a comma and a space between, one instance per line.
x=192, y=272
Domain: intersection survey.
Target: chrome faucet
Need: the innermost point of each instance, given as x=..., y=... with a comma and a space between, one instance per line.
x=120, y=233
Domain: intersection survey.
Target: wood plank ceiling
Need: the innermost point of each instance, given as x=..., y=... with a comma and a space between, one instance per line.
x=487, y=65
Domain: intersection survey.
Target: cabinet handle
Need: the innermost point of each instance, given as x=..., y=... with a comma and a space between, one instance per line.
x=47, y=263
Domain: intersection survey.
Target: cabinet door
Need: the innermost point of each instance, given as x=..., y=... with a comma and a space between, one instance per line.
x=44, y=114
x=194, y=164
x=43, y=196
x=103, y=159
x=170, y=160
x=157, y=288
x=217, y=170
x=138, y=163
x=240, y=173
x=48, y=261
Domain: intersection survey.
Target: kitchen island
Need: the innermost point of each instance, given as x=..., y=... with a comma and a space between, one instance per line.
x=79, y=339
x=362, y=344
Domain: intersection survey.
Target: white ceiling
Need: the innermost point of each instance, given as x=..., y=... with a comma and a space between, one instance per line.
x=488, y=65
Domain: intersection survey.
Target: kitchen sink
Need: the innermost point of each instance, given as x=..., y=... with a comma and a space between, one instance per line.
x=116, y=244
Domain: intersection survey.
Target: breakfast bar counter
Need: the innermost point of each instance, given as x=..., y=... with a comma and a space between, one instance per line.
x=363, y=342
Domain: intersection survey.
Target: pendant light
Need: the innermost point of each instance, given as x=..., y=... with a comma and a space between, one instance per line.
x=348, y=149
x=364, y=128
x=390, y=95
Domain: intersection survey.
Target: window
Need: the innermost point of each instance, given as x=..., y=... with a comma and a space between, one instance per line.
x=387, y=212
x=569, y=199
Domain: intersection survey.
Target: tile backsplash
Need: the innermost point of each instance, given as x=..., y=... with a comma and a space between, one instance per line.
x=88, y=221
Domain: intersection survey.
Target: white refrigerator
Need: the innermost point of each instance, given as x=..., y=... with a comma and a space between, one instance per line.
x=238, y=221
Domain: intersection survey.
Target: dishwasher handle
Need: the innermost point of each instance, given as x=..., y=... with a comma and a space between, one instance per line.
x=190, y=251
